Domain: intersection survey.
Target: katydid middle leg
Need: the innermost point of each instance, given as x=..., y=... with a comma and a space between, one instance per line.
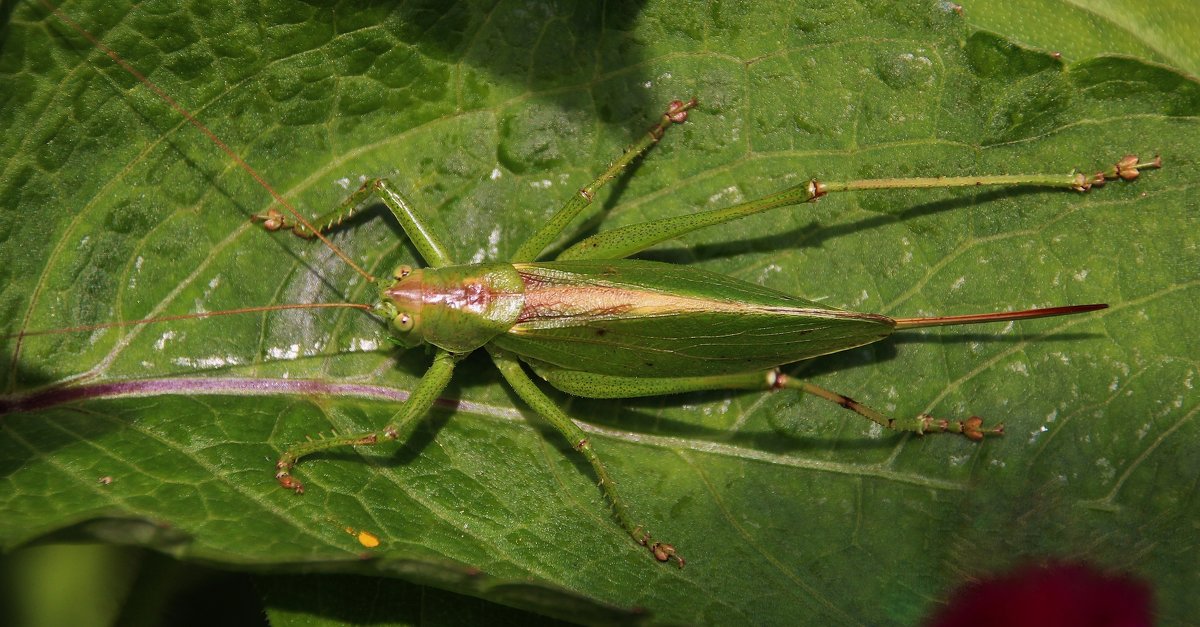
x=416, y=228
x=512, y=371
x=402, y=424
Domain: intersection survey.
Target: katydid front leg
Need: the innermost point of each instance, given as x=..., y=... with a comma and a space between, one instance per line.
x=432, y=382
x=418, y=230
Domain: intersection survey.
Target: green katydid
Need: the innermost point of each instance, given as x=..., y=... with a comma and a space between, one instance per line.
x=593, y=323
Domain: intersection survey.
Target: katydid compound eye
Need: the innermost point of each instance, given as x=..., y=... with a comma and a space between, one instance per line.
x=403, y=322
x=402, y=271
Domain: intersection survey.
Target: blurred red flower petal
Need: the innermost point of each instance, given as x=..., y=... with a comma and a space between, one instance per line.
x=1062, y=595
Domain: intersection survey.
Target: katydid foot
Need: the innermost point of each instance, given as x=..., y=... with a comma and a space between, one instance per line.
x=661, y=551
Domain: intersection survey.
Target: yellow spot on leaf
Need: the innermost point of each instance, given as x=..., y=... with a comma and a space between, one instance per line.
x=365, y=538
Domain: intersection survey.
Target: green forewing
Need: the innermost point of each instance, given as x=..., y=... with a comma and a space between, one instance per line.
x=649, y=319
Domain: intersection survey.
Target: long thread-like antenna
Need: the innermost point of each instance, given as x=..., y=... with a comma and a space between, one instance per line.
x=187, y=115
x=191, y=316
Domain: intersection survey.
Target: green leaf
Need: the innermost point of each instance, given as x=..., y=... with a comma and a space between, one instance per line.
x=490, y=116
x=1162, y=32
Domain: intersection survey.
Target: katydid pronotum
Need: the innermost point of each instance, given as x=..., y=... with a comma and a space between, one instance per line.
x=593, y=323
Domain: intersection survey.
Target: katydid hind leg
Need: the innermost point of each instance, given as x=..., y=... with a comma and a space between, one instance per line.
x=510, y=368
x=971, y=427
x=402, y=424
x=676, y=113
x=418, y=229
x=922, y=424
x=634, y=238
x=590, y=385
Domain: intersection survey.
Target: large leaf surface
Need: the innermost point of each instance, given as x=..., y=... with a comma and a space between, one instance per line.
x=490, y=116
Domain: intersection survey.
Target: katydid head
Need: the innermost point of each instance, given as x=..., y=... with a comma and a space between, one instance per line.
x=402, y=303
x=457, y=308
